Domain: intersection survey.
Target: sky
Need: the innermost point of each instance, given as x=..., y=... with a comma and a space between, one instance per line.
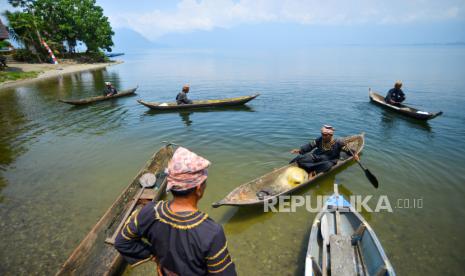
x=153, y=19
x=206, y=22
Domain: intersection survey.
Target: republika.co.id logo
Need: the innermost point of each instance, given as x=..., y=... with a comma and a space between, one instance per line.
x=368, y=203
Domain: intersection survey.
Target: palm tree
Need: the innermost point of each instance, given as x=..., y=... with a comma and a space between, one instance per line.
x=22, y=28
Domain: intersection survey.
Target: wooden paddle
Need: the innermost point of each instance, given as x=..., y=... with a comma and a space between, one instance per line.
x=371, y=177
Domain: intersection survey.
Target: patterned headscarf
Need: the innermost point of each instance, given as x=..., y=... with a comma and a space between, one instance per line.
x=186, y=170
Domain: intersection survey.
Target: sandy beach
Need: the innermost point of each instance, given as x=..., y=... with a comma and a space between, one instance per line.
x=51, y=70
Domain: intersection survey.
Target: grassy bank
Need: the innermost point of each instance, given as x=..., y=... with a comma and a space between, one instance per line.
x=12, y=76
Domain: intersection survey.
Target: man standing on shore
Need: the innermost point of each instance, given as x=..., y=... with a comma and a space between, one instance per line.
x=181, y=239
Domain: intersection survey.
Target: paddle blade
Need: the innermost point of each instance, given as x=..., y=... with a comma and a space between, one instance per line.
x=147, y=180
x=372, y=178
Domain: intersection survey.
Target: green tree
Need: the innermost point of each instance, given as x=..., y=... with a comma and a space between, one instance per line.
x=75, y=20
x=70, y=21
x=24, y=30
x=95, y=29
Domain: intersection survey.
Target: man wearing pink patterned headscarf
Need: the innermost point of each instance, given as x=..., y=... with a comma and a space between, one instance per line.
x=183, y=240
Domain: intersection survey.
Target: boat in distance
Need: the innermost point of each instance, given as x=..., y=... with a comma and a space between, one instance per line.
x=199, y=104
x=85, y=101
x=402, y=109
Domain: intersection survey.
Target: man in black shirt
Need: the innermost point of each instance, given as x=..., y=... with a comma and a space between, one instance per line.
x=110, y=90
x=322, y=153
x=395, y=96
x=181, y=98
x=181, y=239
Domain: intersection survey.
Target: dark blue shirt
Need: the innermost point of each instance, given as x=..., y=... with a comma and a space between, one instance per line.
x=396, y=95
x=181, y=98
x=325, y=151
x=110, y=90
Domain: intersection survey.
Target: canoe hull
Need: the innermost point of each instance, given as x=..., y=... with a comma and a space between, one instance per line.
x=200, y=104
x=245, y=194
x=364, y=255
x=402, y=109
x=95, y=257
x=121, y=94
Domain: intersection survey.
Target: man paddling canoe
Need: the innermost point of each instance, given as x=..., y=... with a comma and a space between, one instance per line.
x=110, y=90
x=181, y=98
x=395, y=96
x=181, y=239
x=322, y=153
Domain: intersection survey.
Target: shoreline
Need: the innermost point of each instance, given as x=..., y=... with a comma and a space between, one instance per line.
x=50, y=71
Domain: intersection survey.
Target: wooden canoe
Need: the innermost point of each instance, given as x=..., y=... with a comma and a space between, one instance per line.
x=85, y=101
x=93, y=256
x=199, y=104
x=402, y=109
x=343, y=243
x=247, y=194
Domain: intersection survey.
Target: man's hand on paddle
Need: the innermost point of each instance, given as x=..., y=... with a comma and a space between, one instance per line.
x=356, y=157
x=295, y=151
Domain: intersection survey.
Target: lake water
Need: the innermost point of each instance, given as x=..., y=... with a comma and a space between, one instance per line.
x=61, y=167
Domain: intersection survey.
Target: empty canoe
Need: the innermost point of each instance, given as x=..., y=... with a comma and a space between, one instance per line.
x=85, y=101
x=269, y=186
x=95, y=255
x=342, y=243
x=402, y=109
x=199, y=104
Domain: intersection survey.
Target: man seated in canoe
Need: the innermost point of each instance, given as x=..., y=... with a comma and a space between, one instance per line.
x=322, y=153
x=181, y=239
x=110, y=90
x=395, y=96
x=181, y=98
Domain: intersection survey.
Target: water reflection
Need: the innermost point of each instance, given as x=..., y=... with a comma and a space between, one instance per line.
x=29, y=112
x=11, y=122
x=185, y=117
x=390, y=118
x=186, y=114
x=84, y=85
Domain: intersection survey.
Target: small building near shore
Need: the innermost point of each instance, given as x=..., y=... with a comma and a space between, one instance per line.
x=3, y=32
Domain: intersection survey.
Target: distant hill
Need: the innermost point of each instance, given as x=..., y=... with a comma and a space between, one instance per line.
x=288, y=35
x=127, y=40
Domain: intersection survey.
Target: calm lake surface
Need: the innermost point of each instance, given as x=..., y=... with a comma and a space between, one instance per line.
x=61, y=167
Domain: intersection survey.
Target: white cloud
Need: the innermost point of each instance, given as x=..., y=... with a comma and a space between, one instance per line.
x=191, y=15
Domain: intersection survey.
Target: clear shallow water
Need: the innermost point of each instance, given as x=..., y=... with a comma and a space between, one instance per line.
x=61, y=166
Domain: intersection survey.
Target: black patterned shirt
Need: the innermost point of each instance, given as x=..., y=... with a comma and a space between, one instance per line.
x=185, y=243
x=327, y=151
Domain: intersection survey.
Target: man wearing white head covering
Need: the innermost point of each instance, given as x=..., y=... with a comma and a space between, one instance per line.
x=110, y=90
x=322, y=153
